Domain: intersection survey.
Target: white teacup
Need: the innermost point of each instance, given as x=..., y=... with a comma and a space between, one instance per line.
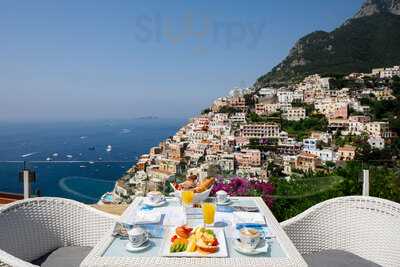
x=250, y=238
x=222, y=196
x=137, y=236
x=155, y=196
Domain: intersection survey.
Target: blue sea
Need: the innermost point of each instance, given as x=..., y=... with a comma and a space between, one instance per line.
x=76, y=160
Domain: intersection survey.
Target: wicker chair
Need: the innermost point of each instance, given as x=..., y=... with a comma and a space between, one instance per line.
x=366, y=227
x=30, y=229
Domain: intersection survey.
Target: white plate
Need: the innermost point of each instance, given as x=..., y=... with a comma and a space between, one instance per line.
x=227, y=202
x=131, y=248
x=153, y=204
x=221, y=253
x=262, y=248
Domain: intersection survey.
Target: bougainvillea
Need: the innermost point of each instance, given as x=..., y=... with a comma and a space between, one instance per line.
x=237, y=186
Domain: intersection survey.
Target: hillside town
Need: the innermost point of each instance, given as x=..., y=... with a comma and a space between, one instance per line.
x=301, y=128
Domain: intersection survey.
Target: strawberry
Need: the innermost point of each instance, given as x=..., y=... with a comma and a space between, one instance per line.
x=215, y=242
x=173, y=238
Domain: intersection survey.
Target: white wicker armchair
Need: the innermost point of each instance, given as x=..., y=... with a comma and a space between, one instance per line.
x=31, y=228
x=365, y=226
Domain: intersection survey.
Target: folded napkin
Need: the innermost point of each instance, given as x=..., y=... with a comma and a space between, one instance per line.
x=147, y=218
x=246, y=218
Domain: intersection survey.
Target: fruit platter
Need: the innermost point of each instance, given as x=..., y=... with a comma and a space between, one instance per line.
x=184, y=241
x=201, y=189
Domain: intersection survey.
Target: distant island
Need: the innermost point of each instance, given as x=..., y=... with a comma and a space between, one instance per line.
x=148, y=118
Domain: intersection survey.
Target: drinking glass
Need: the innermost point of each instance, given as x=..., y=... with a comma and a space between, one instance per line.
x=187, y=198
x=208, y=208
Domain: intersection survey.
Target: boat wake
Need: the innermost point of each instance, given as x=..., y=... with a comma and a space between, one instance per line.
x=63, y=185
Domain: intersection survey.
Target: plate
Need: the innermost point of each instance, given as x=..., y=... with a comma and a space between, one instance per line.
x=152, y=204
x=221, y=253
x=131, y=248
x=261, y=248
x=227, y=202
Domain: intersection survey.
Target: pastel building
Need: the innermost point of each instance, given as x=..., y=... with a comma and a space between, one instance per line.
x=376, y=142
x=265, y=130
x=248, y=157
x=378, y=129
x=346, y=153
x=295, y=114
x=307, y=162
x=310, y=144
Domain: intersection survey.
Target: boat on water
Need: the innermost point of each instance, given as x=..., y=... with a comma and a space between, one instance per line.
x=125, y=131
x=48, y=159
x=29, y=154
x=107, y=198
x=91, y=162
x=55, y=155
x=69, y=156
x=109, y=148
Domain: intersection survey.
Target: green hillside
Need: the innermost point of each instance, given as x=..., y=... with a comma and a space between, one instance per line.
x=357, y=46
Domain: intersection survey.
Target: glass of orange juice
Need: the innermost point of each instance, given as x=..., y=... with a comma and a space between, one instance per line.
x=208, y=208
x=187, y=197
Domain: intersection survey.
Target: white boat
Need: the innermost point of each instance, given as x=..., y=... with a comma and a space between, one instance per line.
x=29, y=154
x=48, y=159
x=55, y=155
x=109, y=148
x=69, y=156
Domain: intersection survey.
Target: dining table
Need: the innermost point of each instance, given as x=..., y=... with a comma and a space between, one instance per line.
x=111, y=250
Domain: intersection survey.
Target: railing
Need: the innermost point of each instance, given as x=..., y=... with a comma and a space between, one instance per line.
x=84, y=181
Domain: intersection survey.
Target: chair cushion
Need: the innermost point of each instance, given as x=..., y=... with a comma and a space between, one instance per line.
x=337, y=258
x=64, y=257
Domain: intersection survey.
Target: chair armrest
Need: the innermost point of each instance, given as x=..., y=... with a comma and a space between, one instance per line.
x=7, y=259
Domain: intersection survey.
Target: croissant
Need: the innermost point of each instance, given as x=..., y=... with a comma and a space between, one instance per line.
x=204, y=185
x=187, y=184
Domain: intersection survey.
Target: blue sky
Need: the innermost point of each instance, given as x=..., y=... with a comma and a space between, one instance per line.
x=79, y=60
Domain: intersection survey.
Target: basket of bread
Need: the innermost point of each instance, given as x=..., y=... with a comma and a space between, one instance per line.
x=201, y=189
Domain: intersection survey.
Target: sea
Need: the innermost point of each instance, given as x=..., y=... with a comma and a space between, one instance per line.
x=76, y=160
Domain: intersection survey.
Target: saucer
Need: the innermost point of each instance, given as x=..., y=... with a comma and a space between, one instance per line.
x=227, y=202
x=154, y=204
x=237, y=245
x=129, y=247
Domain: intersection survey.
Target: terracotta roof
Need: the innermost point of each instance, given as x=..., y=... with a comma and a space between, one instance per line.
x=347, y=148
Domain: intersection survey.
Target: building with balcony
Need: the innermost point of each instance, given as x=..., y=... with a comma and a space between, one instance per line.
x=346, y=153
x=257, y=131
x=248, y=157
x=295, y=114
x=307, y=162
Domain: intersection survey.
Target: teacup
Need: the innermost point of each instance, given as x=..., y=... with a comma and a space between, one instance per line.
x=250, y=238
x=155, y=196
x=137, y=236
x=222, y=196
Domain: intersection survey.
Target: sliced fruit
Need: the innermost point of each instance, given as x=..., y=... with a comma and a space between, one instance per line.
x=191, y=247
x=203, y=246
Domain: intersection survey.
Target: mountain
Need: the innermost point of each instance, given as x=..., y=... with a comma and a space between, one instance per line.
x=372, y=7
x=369, y=40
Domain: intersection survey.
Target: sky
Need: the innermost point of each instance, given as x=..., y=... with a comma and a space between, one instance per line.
x=88, y=60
